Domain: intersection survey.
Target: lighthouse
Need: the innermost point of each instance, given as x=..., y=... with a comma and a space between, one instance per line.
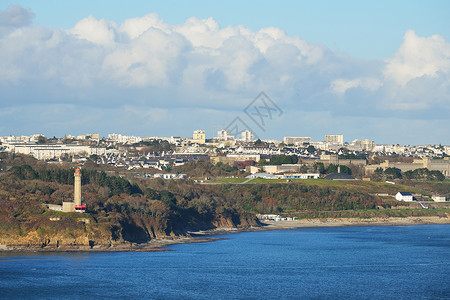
x=77, y=192
x=75, y=205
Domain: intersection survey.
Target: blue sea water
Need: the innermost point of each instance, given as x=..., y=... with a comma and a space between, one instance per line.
x=385, y=262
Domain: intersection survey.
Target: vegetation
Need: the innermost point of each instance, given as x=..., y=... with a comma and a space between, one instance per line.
x=133, y=209
x=154, y=146
x=283, y=159
x=424, y=174
x=118, y=210
x=352, y=156
x=418, y=174
x=334, y=169
x=203, y=168
x=116, y=185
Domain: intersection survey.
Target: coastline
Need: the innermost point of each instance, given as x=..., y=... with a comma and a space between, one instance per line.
x=205, y=236
x=343, y=222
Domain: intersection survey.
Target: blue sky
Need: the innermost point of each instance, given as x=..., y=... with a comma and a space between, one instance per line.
x=366, y=69
x=365, y=29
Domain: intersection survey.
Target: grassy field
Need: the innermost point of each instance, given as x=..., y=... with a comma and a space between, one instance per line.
x=367, y=214
x=227, y=180
x=351, y=185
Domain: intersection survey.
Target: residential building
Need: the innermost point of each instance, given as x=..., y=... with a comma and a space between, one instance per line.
x=247, y=136
x=404, y=196
x=296, y=140
x=301, y=176
x=199, y=137
x=170, y=176
x=224, y=135
x=437, y=198
x=337, y=139
x=54, y=150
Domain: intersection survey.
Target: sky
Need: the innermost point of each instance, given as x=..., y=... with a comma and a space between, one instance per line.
x=375, y=70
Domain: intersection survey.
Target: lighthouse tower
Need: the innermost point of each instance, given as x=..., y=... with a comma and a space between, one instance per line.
x=77, y=192
x=77, y=187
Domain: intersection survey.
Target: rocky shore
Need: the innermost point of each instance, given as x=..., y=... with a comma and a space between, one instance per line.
x=205, y=236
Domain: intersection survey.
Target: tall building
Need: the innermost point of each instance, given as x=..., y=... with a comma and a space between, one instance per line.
x=337, y=139
x=224, y=135
x=199, y=137
x=366, y=145
x=247, y=136
x=296, y=140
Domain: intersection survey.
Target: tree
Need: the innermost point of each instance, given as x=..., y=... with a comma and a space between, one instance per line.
x=41, y=140
x=152, y=194
x=318, y=166
x=424, y=174
x=436, y=175
x=284, y=159
x=332, y=168
x=304, y=169
x=311, y=149
x=262, y=162
x=392, y=173
x=258, y=143
x=379, y=171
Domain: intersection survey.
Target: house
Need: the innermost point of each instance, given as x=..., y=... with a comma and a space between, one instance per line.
x=301, y=176
x=437, y=198
x=404, y=196
x=170, y=176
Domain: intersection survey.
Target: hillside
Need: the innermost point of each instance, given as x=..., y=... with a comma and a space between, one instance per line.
x=123, y=208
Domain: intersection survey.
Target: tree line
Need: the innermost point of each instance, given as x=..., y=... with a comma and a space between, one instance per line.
x=117, y=185
x=417, y=174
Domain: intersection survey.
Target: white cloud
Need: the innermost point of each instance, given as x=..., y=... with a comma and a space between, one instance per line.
x=99, y=32
x=134, y=27
x=418, y=57
x=146, y=64
x=340, y=86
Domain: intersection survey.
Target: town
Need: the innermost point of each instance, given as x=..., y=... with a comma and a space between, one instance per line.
x=291, y=158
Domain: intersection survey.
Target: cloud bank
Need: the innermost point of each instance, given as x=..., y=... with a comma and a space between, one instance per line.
x=147, y=77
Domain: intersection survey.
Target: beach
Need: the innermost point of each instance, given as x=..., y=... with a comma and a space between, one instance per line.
x=214, y=234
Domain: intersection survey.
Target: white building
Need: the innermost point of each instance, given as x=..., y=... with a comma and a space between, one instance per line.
x=296, y=140
x=54, y=150
x=224, y=135
x=301, y=176
x=404, y=196
x=170, y=176
x=198, y=137
x=247, y=136
x=366, y=145
x=124, y=139
x=89, y=136
x=437, y=198
x=337, y=139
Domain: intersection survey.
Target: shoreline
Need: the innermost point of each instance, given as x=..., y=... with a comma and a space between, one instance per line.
x=204, y=236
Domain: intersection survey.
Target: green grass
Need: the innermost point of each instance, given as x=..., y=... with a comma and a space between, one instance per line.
x=367, y=214
x=351, y=185
x=227, y=180
x=265, y=181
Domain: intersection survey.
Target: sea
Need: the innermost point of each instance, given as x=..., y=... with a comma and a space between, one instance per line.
x=379, y=262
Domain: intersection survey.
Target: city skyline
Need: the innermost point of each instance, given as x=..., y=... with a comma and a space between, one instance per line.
x=375, y=71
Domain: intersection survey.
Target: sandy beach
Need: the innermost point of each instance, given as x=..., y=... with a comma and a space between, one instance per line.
x=205, y=236
x=339, y=222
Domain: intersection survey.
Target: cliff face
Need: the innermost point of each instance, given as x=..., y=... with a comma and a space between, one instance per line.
x=84, y=230
x=119, y=212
